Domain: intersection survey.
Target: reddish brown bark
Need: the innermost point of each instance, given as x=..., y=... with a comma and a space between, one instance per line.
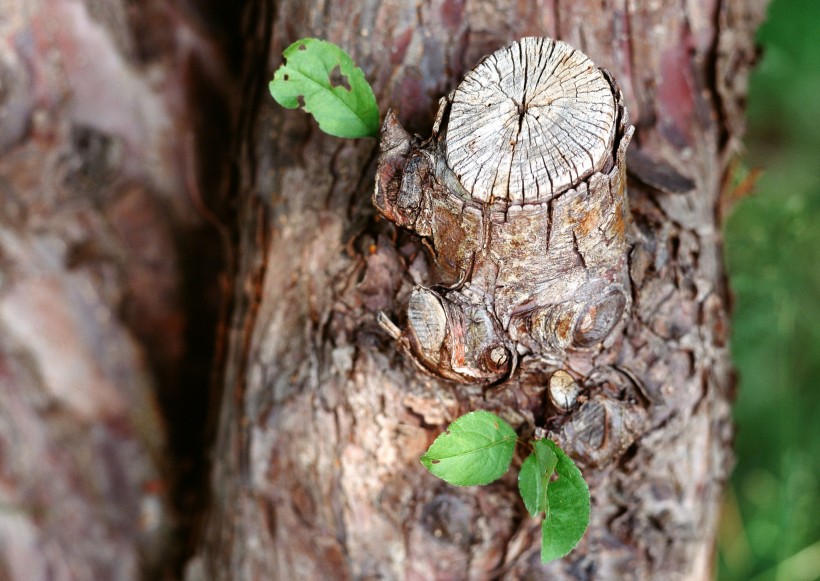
x=108, y=294
x=133, y=155
x=322, y=423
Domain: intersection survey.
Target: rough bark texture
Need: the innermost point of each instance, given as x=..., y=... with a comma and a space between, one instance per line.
x=133, y=151
x=108, y=289
x=528, y=240
x=323, y=422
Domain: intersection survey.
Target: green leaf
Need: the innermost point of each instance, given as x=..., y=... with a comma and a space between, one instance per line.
x=477, y=448
x=567, y=517
x=322, y=79
x=535, y=476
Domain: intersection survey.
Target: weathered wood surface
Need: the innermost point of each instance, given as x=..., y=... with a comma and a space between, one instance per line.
x=323, y=422
x=530, y=121
x=539, y=275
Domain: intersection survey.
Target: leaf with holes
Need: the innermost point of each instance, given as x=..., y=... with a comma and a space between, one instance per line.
x=567, y=516
x=477, y=448
x=322, y=79
x=534, y=477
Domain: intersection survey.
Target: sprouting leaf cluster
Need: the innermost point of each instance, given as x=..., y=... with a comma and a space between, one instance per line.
x=478, y=448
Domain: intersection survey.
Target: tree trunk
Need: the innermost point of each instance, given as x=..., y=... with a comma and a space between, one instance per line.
x=112, y=119
x=149, y=186
x=323, y=421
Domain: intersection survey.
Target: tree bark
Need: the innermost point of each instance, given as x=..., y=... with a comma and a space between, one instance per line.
x=112, y=119
x=323, y=422
x=164, y=224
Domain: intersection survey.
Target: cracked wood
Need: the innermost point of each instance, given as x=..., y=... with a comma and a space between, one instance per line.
x=529, y=122
x=520, y=193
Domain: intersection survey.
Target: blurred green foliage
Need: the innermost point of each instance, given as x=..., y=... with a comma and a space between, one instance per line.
x=771, y=520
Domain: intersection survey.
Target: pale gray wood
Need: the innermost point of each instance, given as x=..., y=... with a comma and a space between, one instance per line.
x=563, y=390
x=530, y=121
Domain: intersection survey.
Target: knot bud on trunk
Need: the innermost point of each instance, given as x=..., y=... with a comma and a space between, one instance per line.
x=520, y=194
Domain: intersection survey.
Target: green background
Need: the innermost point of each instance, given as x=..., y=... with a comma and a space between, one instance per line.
x=771, y=518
